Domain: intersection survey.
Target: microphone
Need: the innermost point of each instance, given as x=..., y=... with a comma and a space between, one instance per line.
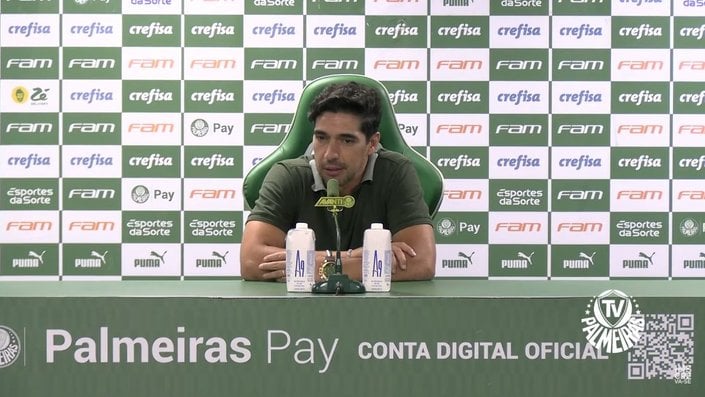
x=333, y=188
x=337, y=283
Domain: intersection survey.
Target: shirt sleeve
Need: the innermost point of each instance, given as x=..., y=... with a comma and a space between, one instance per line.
x=406, y=203
x=276, y=195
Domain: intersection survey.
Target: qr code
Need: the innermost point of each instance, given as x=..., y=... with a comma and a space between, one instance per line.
x=665, y=350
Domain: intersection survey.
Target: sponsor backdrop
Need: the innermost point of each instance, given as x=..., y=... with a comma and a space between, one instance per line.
x=570, y=132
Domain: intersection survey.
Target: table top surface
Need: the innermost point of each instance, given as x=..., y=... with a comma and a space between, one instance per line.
x=446, y=288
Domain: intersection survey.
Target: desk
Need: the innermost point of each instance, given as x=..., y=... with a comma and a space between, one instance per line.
x=438, y=338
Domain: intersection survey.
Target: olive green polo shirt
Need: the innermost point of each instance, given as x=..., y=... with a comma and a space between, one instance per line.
x=390, y=193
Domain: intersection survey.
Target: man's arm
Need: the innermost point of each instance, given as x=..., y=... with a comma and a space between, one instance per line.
x=260, y=239
x=414, y=250
x=263, y=254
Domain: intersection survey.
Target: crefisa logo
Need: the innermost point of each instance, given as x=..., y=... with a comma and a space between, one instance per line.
x=614, y=323
x=9, y=346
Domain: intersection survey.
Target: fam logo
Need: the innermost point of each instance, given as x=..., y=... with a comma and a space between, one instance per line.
x=691, y=195
x=151, y=63
x=614, y=322
x=581, y=65
x=269, y=128
x=459, y=64
x=212, y=194
x=10, y=347
x=29, y=63
x=462, y=194
x=580, y=195
x=335, y=64
x=213, y=63
x=151, y=128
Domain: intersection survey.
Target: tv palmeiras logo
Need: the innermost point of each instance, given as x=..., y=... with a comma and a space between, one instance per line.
x=614, y=322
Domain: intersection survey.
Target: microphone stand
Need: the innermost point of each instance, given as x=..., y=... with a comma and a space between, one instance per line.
x=338, y=283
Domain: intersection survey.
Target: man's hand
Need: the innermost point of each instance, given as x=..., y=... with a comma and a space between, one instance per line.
x=274, y=266
x=400, y=253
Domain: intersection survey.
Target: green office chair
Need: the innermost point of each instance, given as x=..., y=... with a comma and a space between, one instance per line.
x=300, y=136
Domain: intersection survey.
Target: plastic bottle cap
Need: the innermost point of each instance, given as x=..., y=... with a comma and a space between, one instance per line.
x=302, y=225
x=376, y=226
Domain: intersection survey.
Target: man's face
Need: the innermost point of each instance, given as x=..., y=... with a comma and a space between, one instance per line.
x=341, y=150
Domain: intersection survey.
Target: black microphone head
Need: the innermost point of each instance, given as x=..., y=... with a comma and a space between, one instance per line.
x=333, y=189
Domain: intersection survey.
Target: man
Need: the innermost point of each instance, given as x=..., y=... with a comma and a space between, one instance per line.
x=386, y=188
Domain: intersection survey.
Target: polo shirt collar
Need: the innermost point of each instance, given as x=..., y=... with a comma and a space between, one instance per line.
x=318, y=180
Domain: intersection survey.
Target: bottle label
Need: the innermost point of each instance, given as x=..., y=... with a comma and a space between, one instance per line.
x=300, y=266
x=377, y=270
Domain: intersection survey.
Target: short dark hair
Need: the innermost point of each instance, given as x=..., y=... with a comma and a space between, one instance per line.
x=350, y=98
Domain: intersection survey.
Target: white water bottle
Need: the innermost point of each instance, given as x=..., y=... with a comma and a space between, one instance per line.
x=377, y=259
x=300, y=258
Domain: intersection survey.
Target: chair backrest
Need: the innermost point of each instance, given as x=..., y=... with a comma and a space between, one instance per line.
x=300, y=136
